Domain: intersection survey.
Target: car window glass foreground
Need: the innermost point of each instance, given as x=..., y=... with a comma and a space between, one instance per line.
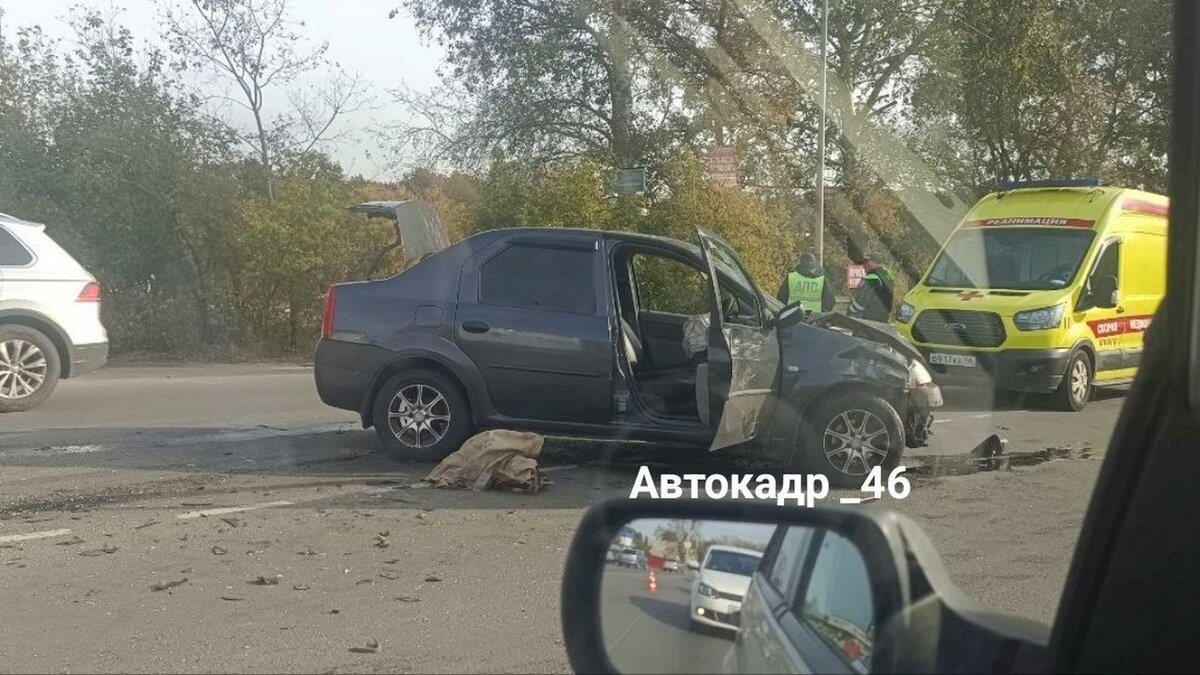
x=225, y=390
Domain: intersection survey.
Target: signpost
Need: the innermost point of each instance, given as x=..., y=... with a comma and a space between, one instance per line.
x=630, y=181
x=722, y=165
x=854, y=275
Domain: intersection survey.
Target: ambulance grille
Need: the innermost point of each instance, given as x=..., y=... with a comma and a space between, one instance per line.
x=960, y=328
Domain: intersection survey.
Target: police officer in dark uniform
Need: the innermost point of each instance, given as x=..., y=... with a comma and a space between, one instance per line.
x=874, y=297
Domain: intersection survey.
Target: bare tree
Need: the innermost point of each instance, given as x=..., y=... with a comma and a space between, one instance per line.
x=257, y=46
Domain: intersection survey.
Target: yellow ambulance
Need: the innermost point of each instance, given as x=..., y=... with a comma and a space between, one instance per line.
x=1045, y=287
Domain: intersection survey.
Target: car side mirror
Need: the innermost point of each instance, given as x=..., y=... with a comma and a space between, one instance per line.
x=1102, y=291
x=773, y=588
x=787, y=315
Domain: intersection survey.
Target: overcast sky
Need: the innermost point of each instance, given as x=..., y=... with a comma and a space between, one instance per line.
x=361, y=38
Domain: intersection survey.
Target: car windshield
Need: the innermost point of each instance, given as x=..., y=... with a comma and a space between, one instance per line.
x=1035, y=258
x=732, y=562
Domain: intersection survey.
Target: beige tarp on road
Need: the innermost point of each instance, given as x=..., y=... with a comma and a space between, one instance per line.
x=498, y=458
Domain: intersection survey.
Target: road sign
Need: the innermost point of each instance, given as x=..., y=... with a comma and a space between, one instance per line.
x=722, y=165
x=630, y=181
x=854, y=275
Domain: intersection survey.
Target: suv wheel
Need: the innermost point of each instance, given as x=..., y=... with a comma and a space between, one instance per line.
x=421, y=415
x=29, y=368
x=847, y=437
x=1076, y=388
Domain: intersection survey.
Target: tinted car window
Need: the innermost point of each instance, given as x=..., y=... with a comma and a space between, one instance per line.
x=789, y=557
x=1108, y=265
x=12, y=253
x=539, y=277
x=836, y=599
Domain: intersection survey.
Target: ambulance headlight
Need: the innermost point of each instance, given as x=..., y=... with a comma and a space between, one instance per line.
x=1039, y=319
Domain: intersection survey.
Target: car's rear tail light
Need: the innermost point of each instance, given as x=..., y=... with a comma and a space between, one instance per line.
x=330, y=309
x=90, y=293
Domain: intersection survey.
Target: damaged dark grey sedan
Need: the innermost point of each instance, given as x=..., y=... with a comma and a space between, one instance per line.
x=621, y=335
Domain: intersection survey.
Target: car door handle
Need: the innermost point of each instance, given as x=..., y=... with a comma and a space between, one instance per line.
x=476, y=327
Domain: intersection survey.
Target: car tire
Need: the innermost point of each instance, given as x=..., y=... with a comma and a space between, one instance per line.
x=29, y=368
x=421, y=415
x=845, y=437
x=1078, y=382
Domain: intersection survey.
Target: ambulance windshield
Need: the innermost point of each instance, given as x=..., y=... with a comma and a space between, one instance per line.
x=1025, y=258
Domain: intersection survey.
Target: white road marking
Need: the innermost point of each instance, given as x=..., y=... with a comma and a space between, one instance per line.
x=230, y=509
x=55, y=450
x=33, y=535
x=564, y=467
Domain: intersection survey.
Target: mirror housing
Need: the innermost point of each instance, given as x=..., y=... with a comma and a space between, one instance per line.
x=924, y=623
x=1102, y=291
x=787, y=315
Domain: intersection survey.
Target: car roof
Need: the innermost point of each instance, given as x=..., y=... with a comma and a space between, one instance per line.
x=13, y=220
x=573, y=232
x=735, y=549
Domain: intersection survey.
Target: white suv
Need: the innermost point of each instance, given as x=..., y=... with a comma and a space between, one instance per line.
x=49, y=316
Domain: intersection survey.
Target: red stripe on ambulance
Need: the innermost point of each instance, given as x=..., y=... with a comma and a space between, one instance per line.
x=1120, y=325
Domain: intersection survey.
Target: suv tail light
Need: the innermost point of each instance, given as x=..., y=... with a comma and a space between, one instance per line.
x=330, y=309
x=90, y=293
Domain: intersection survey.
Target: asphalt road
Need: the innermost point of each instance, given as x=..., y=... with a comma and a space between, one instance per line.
x=107, y=492
x=648, y=632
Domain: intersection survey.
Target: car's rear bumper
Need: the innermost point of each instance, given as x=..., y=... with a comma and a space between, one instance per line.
x=1026, y=370
x=918, y=417
x=87, y=358
x=343, y=372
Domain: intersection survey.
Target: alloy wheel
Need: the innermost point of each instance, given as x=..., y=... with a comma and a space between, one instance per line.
x=23, y=368
x=419, y=416
x=855, y=441
x=1079, y=381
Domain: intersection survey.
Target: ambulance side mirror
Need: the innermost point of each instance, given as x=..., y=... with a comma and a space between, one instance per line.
x=1102, y=291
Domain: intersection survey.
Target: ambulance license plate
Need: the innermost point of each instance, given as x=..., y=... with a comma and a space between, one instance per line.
x=966, y=360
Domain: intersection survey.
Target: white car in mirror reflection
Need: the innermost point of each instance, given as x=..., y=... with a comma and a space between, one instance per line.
x=720, y=585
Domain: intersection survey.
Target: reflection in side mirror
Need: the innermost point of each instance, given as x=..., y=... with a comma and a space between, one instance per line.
x=709, y=595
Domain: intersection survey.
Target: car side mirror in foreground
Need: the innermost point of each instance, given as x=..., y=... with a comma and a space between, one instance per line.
x=742, y=587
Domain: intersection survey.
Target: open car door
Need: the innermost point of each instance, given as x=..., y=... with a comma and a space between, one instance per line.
x=743, y=350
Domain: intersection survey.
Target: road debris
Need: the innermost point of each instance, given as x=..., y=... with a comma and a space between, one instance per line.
x=146, y=524
x=105, y=550
x=266, y=581
x=408, y=598
x=371, y=648
x=433, y=578
x=360, y=582
x=300, y=587
x=167, y=585
x=497, y=458
x=232, y=598
x=70, y=542
x=232, y=522
x=390, y=576
x=381, y=539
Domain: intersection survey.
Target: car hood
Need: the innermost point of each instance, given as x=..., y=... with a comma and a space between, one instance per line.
x=870, y=331
x=1003, y=302
x=725, y=582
